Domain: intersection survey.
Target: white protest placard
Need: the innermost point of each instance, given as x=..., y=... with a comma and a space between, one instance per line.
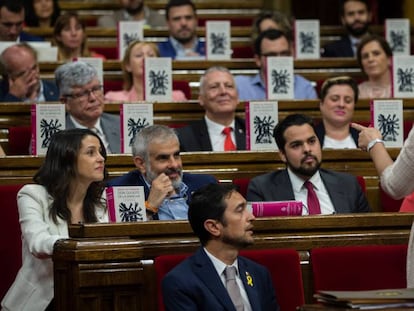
x=307, y=43
x=126, y=203
x=403, y=76
x=387, y=117
x=129, y=31
x=279, y=77
x=397, y=34
x=134, y=117
x=157, y=79
x=46, y=120
x=218, y=40
x=261, y=119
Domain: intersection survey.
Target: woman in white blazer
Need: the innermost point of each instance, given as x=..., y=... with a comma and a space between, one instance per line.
x=68, y=189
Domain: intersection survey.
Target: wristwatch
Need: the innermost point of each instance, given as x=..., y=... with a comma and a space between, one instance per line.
x=373, y=142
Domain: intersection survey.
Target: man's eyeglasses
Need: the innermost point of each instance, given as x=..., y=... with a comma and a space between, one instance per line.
x=96, y=90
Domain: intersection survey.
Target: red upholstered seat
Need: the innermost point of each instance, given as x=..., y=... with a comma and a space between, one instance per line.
x=283, y=265
x=11, y=245
x=19, y=140
x=359, y=267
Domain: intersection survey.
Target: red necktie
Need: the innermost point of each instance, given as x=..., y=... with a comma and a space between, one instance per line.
x=228, y=142
x=313, y=202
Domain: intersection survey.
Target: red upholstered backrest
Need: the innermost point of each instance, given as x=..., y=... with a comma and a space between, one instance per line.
x=183, y=86
x=19, y=140
x=163, y=264
x=11, y=245
x=242, y=52
x=361, y=182
x=242, y=184
x=110, y=52
x=283, y=266
x=285, y=270
x=359, y=267
x=388, y=204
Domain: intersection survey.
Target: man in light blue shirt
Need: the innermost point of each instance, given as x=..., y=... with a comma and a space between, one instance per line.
x=271, y=42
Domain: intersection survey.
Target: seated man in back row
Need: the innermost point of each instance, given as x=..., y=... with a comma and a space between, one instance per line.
x=321, y=191
x=82, y=93
x=156, y=154
x=220, y=129
x=271, y=42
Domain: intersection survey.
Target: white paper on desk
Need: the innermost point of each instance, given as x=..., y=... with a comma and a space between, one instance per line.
x=95, y=62
x=387, y=117
x=279, y=77
x=397, y=34
x=134, y=117
x=307, y=44
x=158, y=79
x=46, y=120
x=129, y=31
x=261, y=119
x=403, y=76
x=218, y=40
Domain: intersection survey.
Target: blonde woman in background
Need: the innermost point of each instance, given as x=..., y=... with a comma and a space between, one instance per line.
x=133, y=73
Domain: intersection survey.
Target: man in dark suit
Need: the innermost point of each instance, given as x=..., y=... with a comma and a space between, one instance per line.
x=21, y=77
x=156, y=154
x=82, y=93
x=218, y=96
x=219, y=217
x=300, y=149
x=11, y=22
x=183, y=42
x=355, y=17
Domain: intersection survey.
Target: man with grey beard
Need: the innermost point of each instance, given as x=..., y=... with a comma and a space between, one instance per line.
x=133, y=10
x=156, y=154
x=300, y=149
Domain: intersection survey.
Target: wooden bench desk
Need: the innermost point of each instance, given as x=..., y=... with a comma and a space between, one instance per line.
x=110, y=266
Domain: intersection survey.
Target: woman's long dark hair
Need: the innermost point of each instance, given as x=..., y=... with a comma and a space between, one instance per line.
x=59, y=169
x=32, y=20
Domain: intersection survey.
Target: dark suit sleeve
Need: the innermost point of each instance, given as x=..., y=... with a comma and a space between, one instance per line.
x=361, y=204
x=254, y=192
x=269, y=296
x=175, y=295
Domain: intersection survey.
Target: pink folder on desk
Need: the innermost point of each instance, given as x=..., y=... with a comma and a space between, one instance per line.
x=276, y=208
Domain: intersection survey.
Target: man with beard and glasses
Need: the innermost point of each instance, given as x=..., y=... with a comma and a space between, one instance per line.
x=219, y=216
x=300, y=149
x=183, y=42
x=355, y=17
x=156, y=154
x=133, y=10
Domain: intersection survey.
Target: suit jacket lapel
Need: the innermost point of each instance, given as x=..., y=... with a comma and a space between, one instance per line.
x=336, y=192
x=239, y=133
x=282, y=186
x=202, y=132
x=249, y=284
x=206, y=272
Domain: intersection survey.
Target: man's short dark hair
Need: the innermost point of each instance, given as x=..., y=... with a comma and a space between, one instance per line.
x=208, y=202
x=173, y=3
x=282, y=126
x=343, y=2
x=271, y=34
x=15, y=6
